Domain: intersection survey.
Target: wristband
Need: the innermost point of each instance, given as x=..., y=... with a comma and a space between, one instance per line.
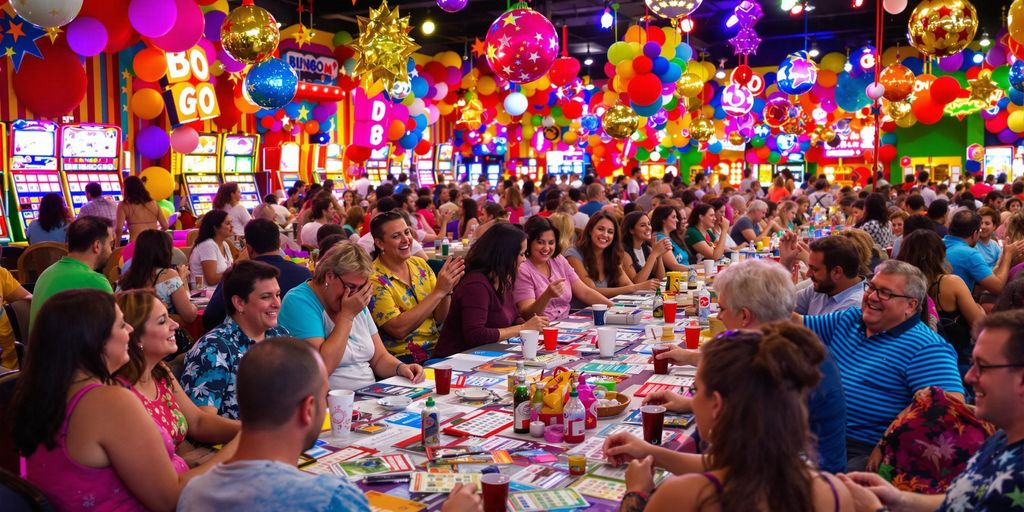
x=399, y=367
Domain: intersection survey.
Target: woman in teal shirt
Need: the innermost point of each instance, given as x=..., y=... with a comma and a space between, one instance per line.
x=704, y=234
x=664, y=221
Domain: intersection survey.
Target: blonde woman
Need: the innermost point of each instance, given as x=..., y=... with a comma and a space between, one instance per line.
x=566, y=230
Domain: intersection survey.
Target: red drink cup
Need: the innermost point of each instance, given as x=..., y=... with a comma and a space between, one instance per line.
x=692, y=336
x=443, y=380
x=495, y=491
x=660, y=365
x=670, y=311
x=550, y=338
x=654, y=420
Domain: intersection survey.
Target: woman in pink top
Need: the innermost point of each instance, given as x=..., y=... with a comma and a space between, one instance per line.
x=89, y=445
x=151, y=380
x=546, y=283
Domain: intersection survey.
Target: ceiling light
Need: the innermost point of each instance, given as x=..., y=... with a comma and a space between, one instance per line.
x=588, y=61
x=814, y=51
x=607, y=19
x=985, y=41
x=686, y=25
x=428, y=27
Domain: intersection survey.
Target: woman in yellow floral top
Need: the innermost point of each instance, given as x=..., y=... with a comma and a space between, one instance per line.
x=409, y=301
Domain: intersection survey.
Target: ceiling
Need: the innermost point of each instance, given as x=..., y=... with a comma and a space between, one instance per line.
x=832, y=25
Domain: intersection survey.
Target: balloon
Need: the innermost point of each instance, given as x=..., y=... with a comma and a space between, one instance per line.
x=357, y=154
x=945, y=89
x=399, y=90
x=1014, y=21
x=149, y=64
x=158, y=182
x=271, y=83
x=939, y=28
x=114, y=16
x=689, y=85
x=515, y=104
x=620, y=121
x=51, y=86
x=833, y=62
x=776, y=111
x=645, y=89
x=250, y=34
x=897, y=110
x=185, y=139
x=702, y=129
x=47, y=13
x=153, y=18
x=797, y=73
x=1015, y=121
x=187, y=31
x=894, y=6
x=86, y=36
x=214, y=19
x=147, y=103
x=152, y=142
x=452, y=5
x=898, y=81
x=1016, y=75
x=525, y=44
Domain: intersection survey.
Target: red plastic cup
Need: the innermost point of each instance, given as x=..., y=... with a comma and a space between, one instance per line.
x=692, y=336
x=550, y=338
x=443, y=380
x=670, y=311
x=660, y=365
x=495, y=491
x=653, y=417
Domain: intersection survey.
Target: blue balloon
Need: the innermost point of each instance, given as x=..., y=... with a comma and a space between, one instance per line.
x=972, y=166
x=758, y=106
x=672, y=74
x=850, y=93
x=1015, y=96
x=769, y=78
x=419, y=86
x=410, y=65
x=683, y=52
x=409, y=140
x=915, y=64
x=291, y=110
x=421, y=122
x=1016, y=75
x=715, y=147
x=659, y=66
x=646, y=110
x=271, y=84
x=590, y=123
x=797, y=73
x=719, y=113
x=152, y=142
x=888, y=138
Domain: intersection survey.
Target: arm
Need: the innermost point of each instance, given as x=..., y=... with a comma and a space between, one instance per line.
x=623, y=447
x=385, y=365
x=994, y=283
x=160, y=217
x=870, y=491
x=654, y=267
x=965, y=304
x=581, y=271
x=475, y=303
x=435, y=302
x=529, y=308
x=203, y=425
x=332, y=349
x=119, y=223
x=180, y=298
x=588, y=295
x=210, y=272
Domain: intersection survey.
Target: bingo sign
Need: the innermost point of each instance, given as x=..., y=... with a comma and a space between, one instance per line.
x=316, y=69
x=371, y=119
x=189, y=96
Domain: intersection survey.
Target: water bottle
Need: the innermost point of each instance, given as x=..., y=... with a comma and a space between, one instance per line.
x=445, y=247
x=704, y=305
x=430, y=425
x=575, y=418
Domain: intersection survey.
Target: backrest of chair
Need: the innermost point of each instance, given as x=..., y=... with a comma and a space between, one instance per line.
x=17, y=314
x=18, y=495
x=9, y=258
x=37, y=258
x=8, y=452
x=190, y=239
x=113, y=269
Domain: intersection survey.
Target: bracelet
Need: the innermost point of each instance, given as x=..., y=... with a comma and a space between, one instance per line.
x=399, y=367
x=882, y=509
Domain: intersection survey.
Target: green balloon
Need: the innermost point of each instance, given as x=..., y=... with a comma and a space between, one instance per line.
x=1001, y=76
x=642, y=155
x=619, y=52
x=536, y=120
x=562, y=121
x=681, y=63
x=341, y=37
x=692, y=157
x=757, y=142
x=672, y=104
x=556, y=112
x=774, y=157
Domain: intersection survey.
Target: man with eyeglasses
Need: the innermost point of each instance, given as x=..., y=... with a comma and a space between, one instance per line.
x=994, y=478
x=885, y=354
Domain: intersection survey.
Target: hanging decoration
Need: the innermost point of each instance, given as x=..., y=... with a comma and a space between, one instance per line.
x=797, y=73
x=620, y=121
x=47, y=13
x=271, y=83
x=452, y=5
x=249, y=34
x=938, y=28
x=746, y=40
x=672, y=9
x=522, y=45
x=18, y=38
x=383, y=47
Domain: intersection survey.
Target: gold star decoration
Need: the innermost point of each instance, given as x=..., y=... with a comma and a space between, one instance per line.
x=471, y=113
x=53, y=33
x=303, y=36
x=383, y=47
x=303, y=113
x=983, y=86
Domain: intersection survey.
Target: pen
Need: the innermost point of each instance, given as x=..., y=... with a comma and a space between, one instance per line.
x=457, y=455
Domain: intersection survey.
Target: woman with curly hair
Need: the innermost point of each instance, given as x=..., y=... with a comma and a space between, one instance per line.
x=597, y=257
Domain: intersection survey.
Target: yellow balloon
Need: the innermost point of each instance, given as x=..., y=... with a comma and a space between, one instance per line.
x=709, y=70
x=147, y=103
x=906, y=121
x=707, y=110
x=1015, y=20
x=890, y=56
x=625, y=70
x=158, y=182
x=543, y=82
x=486, y=85
x=420, y=59
x=939, y=28
x=610, y=98
x=569, y=137
x=250, y=34
x=1015, y=121
x=834, y=62
x=219, y=5
x=444, y=108
x=702, y=129
x=620, y=121
x=689, y=85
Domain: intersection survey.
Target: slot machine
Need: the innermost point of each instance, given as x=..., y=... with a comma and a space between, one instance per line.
x=425, y=169
x=652, y=170
x=492, y=169
x=445, y=163
x=334, y=169
x=35, y=167
x=90, y=153
x=528, y=169
x=199, y=171
x=5, y=233
x=238, y=165
x=796, y=169
x=377, y=165
x=291, y=158
x=398, y=164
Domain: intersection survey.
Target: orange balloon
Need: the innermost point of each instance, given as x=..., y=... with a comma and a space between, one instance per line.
x=396, y=129
x=147, y=103
x=312, y=126
x=827, y=78
x=244, y=106
x=149, y=64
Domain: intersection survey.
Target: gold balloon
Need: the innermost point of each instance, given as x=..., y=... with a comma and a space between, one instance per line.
x=939, y=28
x=693, y=104
x=1015, y=20
x=827, y=134
x=249, y=34
x=620, y=121
x=689, y=85
x=736, y=138
x=383, y=47
x=898, y=81
x=702, y=129
x=983, y=87
x=897, y=109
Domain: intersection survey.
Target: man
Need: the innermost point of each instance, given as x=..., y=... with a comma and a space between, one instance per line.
x=987, y=245
x=748, y=227
x=885, y=354
x=832, y=266
x=995, y=200
x=821, y=196
x=403, y=183
x=264, y=244
x=595, y=199
x=915, y=205
x=98, y=206
x=967, y=262
x=752, y=293
x=937, y=212
x=994, y=477
x=90, y=244
x=981, y=188
x=362, y=184
x=926, y=192
x=633, y=185
x=253, y=299
x=644, y=201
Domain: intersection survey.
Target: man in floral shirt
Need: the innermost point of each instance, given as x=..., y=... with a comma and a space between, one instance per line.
x=253, y=299
x=994, y=478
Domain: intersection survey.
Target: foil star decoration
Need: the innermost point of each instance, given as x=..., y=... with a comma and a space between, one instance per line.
x=471, y=114
x=983, y=87
x=53, y=33
x=479, y=47
x=303, y=36
x=18, y=38
x=745, y=42
x=383, y=47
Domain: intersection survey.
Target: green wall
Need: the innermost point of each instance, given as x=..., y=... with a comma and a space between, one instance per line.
x=948, y=137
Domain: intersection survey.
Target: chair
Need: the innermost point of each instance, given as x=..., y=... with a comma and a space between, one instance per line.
x=113, y=268
x=37, y=258
x=17, y=314
x=18, y=495
x=190, y=238
x=8, y=452
x=9, y=258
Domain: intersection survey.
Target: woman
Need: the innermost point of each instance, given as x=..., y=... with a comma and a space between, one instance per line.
x=803, y=207
x=354, y=218
x=317, y=218
x=349, y=199
x=787, y=216
x=491, y=214
x=138, y=210
x=53, y=220
x=664, y=222
x=467, y=218
x=211, y=255
x=896, y=220
x=229, y=199
x=88, y=444
x=596, y=259
x=513, y=202
x=152, y=339
x=409, y=301
x=483, y=309
x=778, y=191
x=546, y=284
x=875, y=221
x=645, y=253
x=1010, y=207
x=706, y=235
x=329, y=311
x=566, y=228
x=530, y=202
x=152, y=268
x=954, y=306
x=751, y=381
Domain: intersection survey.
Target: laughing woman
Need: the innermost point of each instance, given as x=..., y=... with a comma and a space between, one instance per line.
x=547, y=283
x=665, y=223
x=597, y=256
x=645, y=253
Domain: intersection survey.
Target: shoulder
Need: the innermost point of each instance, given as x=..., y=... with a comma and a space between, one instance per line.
x=686, y=492
x=573, y=252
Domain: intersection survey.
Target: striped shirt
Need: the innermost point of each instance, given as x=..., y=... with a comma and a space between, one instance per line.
x=880, y=373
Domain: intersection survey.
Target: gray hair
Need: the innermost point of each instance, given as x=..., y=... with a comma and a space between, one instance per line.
x=757, y=205
x=738, y=201
x=916, y=285
x=764, y=287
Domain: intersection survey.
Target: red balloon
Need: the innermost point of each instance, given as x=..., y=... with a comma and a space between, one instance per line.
x=572, y=109
x=423, y=147
x=267, y=122
x=642, y=65
x=644, y=89
x=357, y=154
x=343, y=52
x=436, y=70
x=113, y=14
x=997, y=123
x=887, y=153
x=655, y=34
x=945, y=89
x=925, y=109
x=51, y=86
x=563, y=71
x=742, y=74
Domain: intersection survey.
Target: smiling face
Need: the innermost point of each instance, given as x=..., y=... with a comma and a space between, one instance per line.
x=642, y=229
x=397, y=239
x=881, y=315
x=226, y=228
x=336, y=287
x=157, y=338
x=987, y=227
x=603, y=234
x=671, y=222
x=707, y=221
x=543, y=247
x=997, y=390
x=260, y=308
x=819, y=273
x=897, y=226
x=115, y=350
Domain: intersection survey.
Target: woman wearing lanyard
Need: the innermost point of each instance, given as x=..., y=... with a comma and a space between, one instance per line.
x=704, y=236
x=664, y=221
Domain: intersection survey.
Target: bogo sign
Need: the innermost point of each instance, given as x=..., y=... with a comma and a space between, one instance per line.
x=188, y=95
x=371, y=120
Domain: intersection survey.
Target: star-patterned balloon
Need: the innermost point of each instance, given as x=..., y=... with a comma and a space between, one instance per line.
x=18, y=38
x=522, y=45
x=797, y=73
x=939, y=28
x=383, y=47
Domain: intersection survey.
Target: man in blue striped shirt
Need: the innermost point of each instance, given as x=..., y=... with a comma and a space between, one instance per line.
x=885, y=353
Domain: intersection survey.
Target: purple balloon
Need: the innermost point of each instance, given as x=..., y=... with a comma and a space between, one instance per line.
x=1007, y=136
x=152, y=142
x=996, y=56
x=652, y=49
x=152, y=18
x=951, y=63
x=207, y=47
x=86, y=36
x=214, y=19
x=452, y=5
x=230, y=65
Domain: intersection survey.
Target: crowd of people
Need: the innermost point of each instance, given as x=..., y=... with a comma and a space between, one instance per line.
x=912, y=289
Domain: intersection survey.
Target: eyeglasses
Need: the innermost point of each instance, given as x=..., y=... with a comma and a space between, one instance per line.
x=980, y=367
x=348, y=286
x=883, y=295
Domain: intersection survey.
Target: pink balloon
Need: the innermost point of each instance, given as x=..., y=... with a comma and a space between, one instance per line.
x=207, y=47
x=188, y=28
x=184, y=139
x=152, y=18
